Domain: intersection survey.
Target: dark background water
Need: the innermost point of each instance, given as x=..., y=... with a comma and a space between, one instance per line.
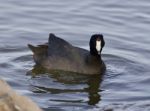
x=125, y=26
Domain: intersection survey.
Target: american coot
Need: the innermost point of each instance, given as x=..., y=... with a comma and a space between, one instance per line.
x=60, y=55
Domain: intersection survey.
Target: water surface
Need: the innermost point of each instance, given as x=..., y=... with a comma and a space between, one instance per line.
x=125, y=26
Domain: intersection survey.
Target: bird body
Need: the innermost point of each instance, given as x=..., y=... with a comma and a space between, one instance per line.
x=58, y=54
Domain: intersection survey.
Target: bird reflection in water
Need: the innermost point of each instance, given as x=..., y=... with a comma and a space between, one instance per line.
x=91, y=83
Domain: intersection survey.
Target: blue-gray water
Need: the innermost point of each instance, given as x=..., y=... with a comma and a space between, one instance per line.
x=126, y=29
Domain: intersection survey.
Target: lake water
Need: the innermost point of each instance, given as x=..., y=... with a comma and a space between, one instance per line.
x=126, y=29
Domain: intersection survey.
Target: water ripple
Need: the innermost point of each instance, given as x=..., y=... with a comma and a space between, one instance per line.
x=125, y=26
